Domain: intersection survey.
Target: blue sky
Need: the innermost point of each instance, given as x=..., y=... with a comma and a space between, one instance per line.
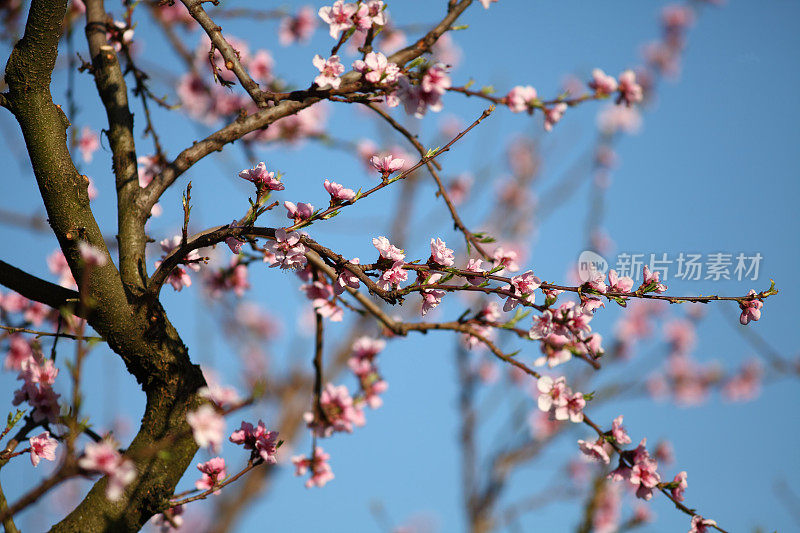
x=714, y=169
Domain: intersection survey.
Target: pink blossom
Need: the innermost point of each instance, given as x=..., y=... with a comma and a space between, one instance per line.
x=208, y=426
x=88, y=143
x=346, y=279
x=746, y=384
x=321, y=472
x=19, y=351
x=630, y=91
x=556, y=351
x=618, y=431
x=387, y=250
x=338, y=192
x=507, y=258
x=387, y=164
x=440, y=253
x=595, y=450
x=223, y=397
x=751, y=309
x=104, y=458
x=330, y=69
x=552, y=393
x=553, y=114
x=700, y=524
x=607, y=513
x=91, y=255
x=677, y=17
x=58, y=265
x=602, y=84
x=619, y=284
x=262, y=178
x=486, y=3
x=286, y=251
x=652, y=278
x=263, y=442
x=522, y=286
x=678, y=490
x=572, y=409
x=298, y=212
x=260, y=66
x=542, y=325
x=521, y=98
x=149, y=166
x=393, y=276
x=341, y=412
x=376, y=69
x=213, y=472
x=645, y=476
x=42, y=447
x=298, y=28
x=474, y=265
x=339, y=17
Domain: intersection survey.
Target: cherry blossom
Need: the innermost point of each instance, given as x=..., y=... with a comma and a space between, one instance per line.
x=103, y=457
x=42, y=447
x=346, y=279
x=652, y=278
x=431, y=298
x=330, y=69
x=595, y=450
x=321, y=472
x=299, y=28
x=700, y=524
x=19, y=351
x=213, y=472
x=618, y=431
x=630, y=91
x=261, y=178
x=386, y=165
x=263, y=442
x=58, y=265
x=474, y=265
x=553, y=393
x=377, y=69
x=572, y=409
x=522, y=286
x=338, y=192
x=91, y=255
x=619, y=284
x=521, y=98
x=387, y=250
x=341, y=412
x=208, y=426
x=339, y=17
x=751, y=309
x=286, y=251
x=486, y=3
x=678, y=490
x=602, y=84
x=88, y=143
x=440, y=253
x=298, y=212
x=553, y=114
x=507, y=258
x=223, y=397
x=260, y=66
x=393, y=276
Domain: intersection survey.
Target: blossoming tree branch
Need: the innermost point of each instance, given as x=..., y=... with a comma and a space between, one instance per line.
x=110, y=289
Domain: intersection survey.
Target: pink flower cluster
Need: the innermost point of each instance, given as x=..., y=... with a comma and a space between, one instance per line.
x=563, y=332
x=417, y=99
x=377, y=69
x=42, y=446
x=102, y=457
x=643, y=474
x=362, y=16
x=263, y=443
x=213, y=472
x=233, y=278
x=38, y=375
x=285, y=251
x=557, y=398
x=208, y=426
x=263, y=180
x=179, y=277
x=32, y=313
x=321, y=472
x=522, y=286
x=364, y=366
x=751, y=309
x=339, y=412
x=88, y=143
x=299, y=28
x=322, y=298
x=329, y=71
